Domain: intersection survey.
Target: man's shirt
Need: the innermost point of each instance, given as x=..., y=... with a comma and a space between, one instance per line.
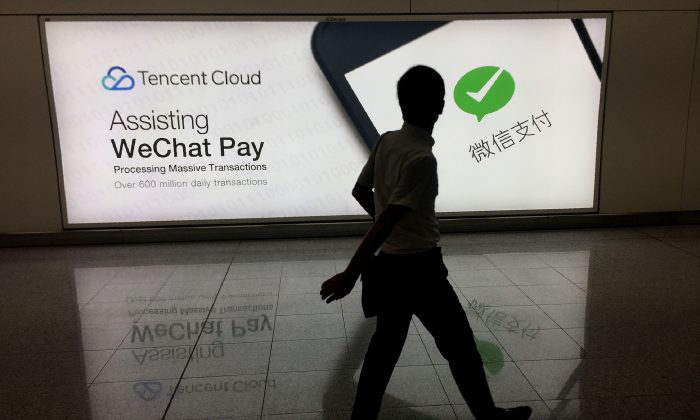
x=403, y=171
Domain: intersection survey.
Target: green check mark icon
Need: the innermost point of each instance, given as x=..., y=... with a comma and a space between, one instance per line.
x=484, y=90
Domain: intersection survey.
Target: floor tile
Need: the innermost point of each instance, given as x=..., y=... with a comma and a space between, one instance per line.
x=487, y=344
x=221, y=396
x=319, y=415
x=307, y=355
x=476, y=278
x=59, y=332
x=352, y=303
x=302, y=327
x=182, y=289
x=578, y=335
x=233, y=306
x=89, y=281
x=145, y=399
x=475, y=323
x=540, y=411
x=692, y=246
x=341, y=263
x=45, y=402
x=264, y=245
x=43, y=370
x=554, y=379
x=578, y=275
x=296, y=254
x=520, y=320
x=643, y=407
x=104, y=336
x=111, y=312
x=535, y=276
x=322, y=391
x=301, y=285
x=251, y=287
x=178, y=310
x=565, y=259
x=141, y=275
x=567, y=315
x=169, y=333
x=630, y=376
x=139, y=364
x=413, y=386
x=357, y=325
x=540, y=345
x=432, y=412
x=219, y=359
x=246, y=329
x=413, y=353
x=467, y=262
x=496, y=296
x=260, y=258
x=675, y=232
x=306, y=304
x=199, y=273
x=622, y=341
x=262, y=269
x=516, y=260
x=313, y=268
x=506, y=384
x=554, y=294
x=94, y=361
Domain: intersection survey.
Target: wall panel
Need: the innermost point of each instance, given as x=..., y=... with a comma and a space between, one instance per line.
x=28, y=180
x=205, y=6
x=585, y=5
x=662, y=4
x=691, y=180
x=567, y=5
x=482, y=6
x=646, y=111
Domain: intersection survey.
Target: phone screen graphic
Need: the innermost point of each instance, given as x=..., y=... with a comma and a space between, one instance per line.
x=520, y=125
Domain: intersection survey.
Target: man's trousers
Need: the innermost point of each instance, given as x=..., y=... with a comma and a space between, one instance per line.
x=417, y=284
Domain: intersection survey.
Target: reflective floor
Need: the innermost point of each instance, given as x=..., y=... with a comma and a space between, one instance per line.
x=579, y=324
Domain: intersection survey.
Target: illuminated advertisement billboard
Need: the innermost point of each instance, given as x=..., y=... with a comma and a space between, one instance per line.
x=199, y=122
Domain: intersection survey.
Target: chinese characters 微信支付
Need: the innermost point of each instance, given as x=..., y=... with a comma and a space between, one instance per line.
x=505, y=139
x=502, y=320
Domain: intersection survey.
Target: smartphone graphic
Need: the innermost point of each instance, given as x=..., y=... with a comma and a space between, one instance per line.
x=341, y=47
x=485, y=163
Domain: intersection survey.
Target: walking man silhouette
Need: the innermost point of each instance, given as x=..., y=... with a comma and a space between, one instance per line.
x=399, y=184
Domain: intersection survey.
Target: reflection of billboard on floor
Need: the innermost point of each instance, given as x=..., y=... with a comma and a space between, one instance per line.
x=199, y=122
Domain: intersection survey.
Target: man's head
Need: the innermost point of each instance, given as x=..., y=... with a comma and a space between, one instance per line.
x=421, y=92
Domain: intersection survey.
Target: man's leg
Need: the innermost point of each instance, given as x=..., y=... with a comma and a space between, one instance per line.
x=443, y=316
x=383, y=353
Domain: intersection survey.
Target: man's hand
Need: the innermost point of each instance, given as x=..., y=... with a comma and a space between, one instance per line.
x=341, y=284
x=338, y=286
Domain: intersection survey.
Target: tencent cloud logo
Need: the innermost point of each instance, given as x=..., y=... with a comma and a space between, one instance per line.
x=117, y=79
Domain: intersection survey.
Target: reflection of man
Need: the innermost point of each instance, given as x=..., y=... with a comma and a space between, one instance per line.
x=403, y=172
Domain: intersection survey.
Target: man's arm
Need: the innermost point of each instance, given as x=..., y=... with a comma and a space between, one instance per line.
x=342, y=283
x=364, y=196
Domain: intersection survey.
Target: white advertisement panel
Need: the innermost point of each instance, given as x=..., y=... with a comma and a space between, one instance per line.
x=202, y=122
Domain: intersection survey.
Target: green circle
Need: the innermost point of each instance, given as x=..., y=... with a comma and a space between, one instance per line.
x=473, y=95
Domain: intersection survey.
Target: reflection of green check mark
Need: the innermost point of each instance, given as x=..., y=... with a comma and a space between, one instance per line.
x=484, y=90
x=491, y=355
